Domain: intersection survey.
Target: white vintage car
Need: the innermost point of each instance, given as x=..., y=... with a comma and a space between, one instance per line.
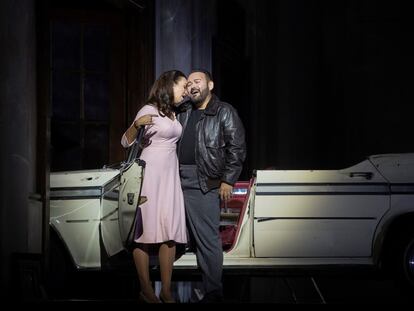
x=358, y=216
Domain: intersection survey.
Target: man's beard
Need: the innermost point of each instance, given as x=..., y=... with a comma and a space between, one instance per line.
x=200, y=99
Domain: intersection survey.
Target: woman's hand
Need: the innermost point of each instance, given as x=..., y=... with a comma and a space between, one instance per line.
x=144, y=120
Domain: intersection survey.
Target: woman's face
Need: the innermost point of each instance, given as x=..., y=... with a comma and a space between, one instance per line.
x=179, y=90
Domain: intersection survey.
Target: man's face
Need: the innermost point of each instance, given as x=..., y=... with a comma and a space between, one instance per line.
x=197, y=87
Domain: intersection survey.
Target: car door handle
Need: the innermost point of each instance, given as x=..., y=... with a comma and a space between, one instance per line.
x=130, y=198
x=366, y=175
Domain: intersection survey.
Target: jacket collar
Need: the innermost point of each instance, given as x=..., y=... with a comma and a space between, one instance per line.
x=212, y=106
x=184, y=107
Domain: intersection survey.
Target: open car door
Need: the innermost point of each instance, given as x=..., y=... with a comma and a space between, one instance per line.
x=130, y=199
x=121, y=205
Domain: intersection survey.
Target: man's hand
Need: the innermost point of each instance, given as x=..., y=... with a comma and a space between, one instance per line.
x=225, y=191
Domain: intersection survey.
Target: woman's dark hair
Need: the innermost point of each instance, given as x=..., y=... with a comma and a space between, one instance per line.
x=162, y=93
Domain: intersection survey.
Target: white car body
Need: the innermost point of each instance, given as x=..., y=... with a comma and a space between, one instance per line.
x=288, y=218
x=87, y=207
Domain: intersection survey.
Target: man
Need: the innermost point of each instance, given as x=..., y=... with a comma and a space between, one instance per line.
x=211, y=154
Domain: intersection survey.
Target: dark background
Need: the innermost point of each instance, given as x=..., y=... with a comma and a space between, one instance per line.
x=321, y=84
x=318, y=85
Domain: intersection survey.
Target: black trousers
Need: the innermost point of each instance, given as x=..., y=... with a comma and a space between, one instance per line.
x=203, y=221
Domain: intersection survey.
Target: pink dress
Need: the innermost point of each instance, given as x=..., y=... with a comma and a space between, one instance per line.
x=163, y=215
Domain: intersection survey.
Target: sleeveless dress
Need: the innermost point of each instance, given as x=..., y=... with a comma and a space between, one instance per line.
x=163, y=215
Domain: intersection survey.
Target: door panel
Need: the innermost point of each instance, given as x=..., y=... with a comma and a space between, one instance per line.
x=318, y=213
x=111, y=237
x=313, y=237
x=325, y=206
x=119, y=207
x=129, y=194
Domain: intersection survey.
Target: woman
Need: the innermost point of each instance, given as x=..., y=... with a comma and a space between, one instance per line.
x=163, y=215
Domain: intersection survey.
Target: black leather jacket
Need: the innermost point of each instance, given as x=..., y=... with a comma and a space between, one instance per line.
x=220, y=143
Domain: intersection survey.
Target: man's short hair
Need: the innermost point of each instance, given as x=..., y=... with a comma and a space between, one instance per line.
x=206, y=73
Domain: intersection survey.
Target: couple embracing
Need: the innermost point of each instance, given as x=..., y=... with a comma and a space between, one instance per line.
x=194, y=158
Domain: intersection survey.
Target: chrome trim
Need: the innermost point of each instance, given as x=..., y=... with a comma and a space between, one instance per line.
x=239, y=191
x=263, y=219
x=84, y=192
x=78, y=193
x=402, y=188
x=77, y=221
x=323, y=189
